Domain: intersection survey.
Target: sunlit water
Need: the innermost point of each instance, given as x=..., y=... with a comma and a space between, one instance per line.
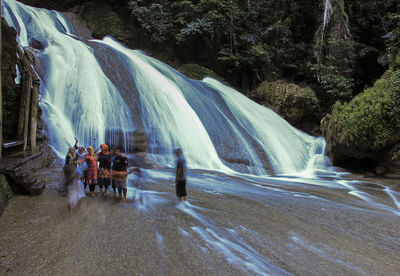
x=263, y=198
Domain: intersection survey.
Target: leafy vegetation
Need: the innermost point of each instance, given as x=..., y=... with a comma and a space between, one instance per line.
x=372, y=117
x=236, y=39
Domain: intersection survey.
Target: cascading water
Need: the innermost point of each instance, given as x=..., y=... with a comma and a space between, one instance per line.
x=76, y=97
x=217, y=127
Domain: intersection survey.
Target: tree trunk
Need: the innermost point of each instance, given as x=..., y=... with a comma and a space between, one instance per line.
x=34, y=108
x=27, y=107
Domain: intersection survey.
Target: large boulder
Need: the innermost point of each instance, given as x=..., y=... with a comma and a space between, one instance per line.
x=101, y=19
x=298, y=105
x=365, y=133
x=197, y=72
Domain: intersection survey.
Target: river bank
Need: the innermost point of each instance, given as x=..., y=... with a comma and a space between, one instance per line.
x=231, y=225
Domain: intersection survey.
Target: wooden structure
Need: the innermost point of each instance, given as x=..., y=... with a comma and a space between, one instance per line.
x=28, y=110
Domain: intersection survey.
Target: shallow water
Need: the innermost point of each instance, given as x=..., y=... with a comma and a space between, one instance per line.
x=230, y=226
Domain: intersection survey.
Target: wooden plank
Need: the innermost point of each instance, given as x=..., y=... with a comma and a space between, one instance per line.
x=27, y=107
x=34, y=108
x=13, y=144
x=27, y=64
x=21, y=115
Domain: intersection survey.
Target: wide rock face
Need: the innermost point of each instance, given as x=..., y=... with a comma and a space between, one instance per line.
x=365, y=133
x=10, y=89
x=9, y=54
x=298, y=105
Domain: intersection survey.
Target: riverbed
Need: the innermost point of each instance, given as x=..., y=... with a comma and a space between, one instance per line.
x=231, y=225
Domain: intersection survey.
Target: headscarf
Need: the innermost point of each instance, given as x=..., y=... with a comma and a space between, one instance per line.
x=104, y=149
x=81, y=154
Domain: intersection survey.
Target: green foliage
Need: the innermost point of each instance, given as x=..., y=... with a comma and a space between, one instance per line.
x=393, y=38
x=371, y=118
x=334, y=54
x=248, y=42
x=154, y=18
x=251, y=40
x=336, y=71
x=198, y=72
x=199, y=26
x=371, y=19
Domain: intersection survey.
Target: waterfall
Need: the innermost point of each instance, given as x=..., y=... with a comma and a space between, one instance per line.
x=101, y=88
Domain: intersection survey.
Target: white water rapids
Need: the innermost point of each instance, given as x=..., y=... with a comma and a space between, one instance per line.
x=217, y=127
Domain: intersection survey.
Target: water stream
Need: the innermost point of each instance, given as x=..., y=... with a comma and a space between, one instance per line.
x=263, y=198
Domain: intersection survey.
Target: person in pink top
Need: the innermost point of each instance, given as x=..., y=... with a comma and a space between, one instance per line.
x=91, y=173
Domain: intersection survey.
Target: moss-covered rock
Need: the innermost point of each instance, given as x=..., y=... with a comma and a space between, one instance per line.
x=5, y=193
x=298, y=105
x=368, y=127
x=197, y=72
x=101, y=19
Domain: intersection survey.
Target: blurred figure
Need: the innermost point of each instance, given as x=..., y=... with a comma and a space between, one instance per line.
x=81, y=154
x=70, y=159
x=74, y=186
x=180, y=178
x=138, y=184
x=104, y=158
x=119, y=173
x=71, y=156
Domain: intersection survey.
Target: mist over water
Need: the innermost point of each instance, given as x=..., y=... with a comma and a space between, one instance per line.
x=217, y=127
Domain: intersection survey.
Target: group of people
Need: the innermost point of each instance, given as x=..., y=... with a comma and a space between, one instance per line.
x=89, y=167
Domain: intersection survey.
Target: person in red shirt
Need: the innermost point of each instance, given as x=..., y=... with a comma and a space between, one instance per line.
x=91, y=173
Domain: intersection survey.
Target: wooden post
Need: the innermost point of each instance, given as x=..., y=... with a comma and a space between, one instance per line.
x=1, y=93
x=27, y=105
x=34, y=108
x=21, y=116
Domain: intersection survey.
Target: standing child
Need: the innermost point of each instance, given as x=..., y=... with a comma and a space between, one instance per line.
x=180, y=178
